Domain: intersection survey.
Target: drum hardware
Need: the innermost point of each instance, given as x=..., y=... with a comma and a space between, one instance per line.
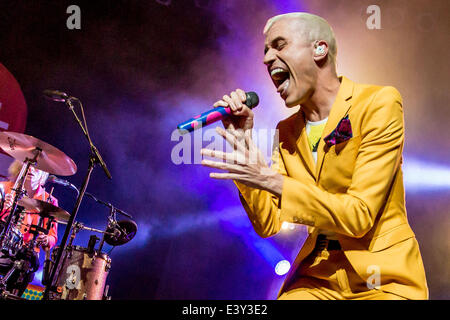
x=17, y=191
x=47, y=267
x=46, y=157
x=117, y=232
x=32, y=152
x=83, y=274
x=11, y=239
x=105, y=293
x=44, y=209
x=5, y=295
x=25, y=259
x=2, y=198
x=83, y=271
x=24, y=262
x=91, y=244
x=13, y=242
x=94, y=158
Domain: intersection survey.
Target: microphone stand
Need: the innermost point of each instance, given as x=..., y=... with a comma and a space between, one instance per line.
x=94, y=158
x=109, y=205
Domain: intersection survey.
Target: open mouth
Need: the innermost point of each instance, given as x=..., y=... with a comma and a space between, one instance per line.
x=281, y=78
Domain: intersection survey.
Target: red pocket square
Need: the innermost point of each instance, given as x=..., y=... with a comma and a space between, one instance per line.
x=342, y=133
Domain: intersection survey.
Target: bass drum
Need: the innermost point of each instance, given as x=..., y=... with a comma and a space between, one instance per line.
x=83, y=274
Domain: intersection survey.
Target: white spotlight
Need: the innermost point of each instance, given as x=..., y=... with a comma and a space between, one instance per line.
x=287, y=226
x=282, y=267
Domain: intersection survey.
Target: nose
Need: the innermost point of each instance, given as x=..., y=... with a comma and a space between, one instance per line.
x=269, y=57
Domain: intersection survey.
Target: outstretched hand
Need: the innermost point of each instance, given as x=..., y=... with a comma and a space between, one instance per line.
x=245, y=164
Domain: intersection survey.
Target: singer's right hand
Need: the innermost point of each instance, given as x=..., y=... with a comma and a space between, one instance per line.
x=242, y=116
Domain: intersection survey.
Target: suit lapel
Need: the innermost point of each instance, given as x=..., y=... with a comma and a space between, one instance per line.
x=339, y=109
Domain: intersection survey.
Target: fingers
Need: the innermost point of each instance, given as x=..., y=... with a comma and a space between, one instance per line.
x=220, y=103
x=222, y=166
x=42, y=240
x=213, y=154
x=226, y=176
x=235, y=100
x=241, y=94
x=228, y=157
x=233, y=137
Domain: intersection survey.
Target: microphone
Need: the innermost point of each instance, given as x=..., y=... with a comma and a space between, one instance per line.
x=56, y=95
x=65, y=183
x=215, y=114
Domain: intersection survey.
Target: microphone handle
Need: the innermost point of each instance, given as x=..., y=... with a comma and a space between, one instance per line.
x=214, y=115
x=204, y=119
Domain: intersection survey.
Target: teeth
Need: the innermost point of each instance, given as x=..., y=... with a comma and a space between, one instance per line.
x=275, y=71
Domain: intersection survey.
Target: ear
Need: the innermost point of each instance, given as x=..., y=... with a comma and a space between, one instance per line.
x=320, y=51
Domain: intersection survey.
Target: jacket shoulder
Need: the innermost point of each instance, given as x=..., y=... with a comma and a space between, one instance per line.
x=368, y=99
x=372, y=92
x=288, y=122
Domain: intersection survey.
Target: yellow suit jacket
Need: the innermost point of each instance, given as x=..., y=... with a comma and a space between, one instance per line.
x=355, y=190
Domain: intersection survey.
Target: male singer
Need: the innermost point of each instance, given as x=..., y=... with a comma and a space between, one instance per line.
x=336, y=169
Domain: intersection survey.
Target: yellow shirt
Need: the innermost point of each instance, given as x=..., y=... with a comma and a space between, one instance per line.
x=314, y=131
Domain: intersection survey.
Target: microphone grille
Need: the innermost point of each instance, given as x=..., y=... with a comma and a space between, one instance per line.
x=252, y=99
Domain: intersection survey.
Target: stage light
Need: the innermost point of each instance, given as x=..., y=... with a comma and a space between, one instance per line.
x=37, y=280
x=287, y=226
x=420, y=175
x=282, y=267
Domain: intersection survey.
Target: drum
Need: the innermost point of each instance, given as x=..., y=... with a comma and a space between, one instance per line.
x=83, y=274
x=13, y=242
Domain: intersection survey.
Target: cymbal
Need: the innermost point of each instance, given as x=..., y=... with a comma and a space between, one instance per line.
x=44, y=209
x=121, y=234
x=52, y=160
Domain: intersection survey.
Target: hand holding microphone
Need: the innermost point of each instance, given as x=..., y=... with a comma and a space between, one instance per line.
x=241, y=105
x=234, y=110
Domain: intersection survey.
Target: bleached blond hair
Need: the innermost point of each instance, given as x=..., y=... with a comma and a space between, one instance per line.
x=312, y=27
x=14, y=170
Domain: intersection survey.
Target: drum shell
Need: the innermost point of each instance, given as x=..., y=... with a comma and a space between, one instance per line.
x=82, y=275
x=13, y=242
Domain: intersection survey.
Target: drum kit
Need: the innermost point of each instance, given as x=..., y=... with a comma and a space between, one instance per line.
x=70, y=272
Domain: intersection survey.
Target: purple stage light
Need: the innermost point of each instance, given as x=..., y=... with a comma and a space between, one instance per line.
x=421, y=175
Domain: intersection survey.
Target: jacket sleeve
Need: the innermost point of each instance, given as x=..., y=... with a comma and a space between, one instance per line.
x=353, y=213
x=262, y=207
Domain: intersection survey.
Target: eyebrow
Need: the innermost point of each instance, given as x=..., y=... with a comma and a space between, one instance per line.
x=273, y=42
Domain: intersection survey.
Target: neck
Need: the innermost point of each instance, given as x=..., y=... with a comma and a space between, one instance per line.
x=32, y=192
x=319, y=105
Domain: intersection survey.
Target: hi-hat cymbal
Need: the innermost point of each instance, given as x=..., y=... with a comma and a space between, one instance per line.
x=44, y=209
x=52, y=160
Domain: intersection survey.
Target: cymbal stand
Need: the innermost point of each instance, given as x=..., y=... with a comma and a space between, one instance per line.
x=19, y=191
x=112, y=222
